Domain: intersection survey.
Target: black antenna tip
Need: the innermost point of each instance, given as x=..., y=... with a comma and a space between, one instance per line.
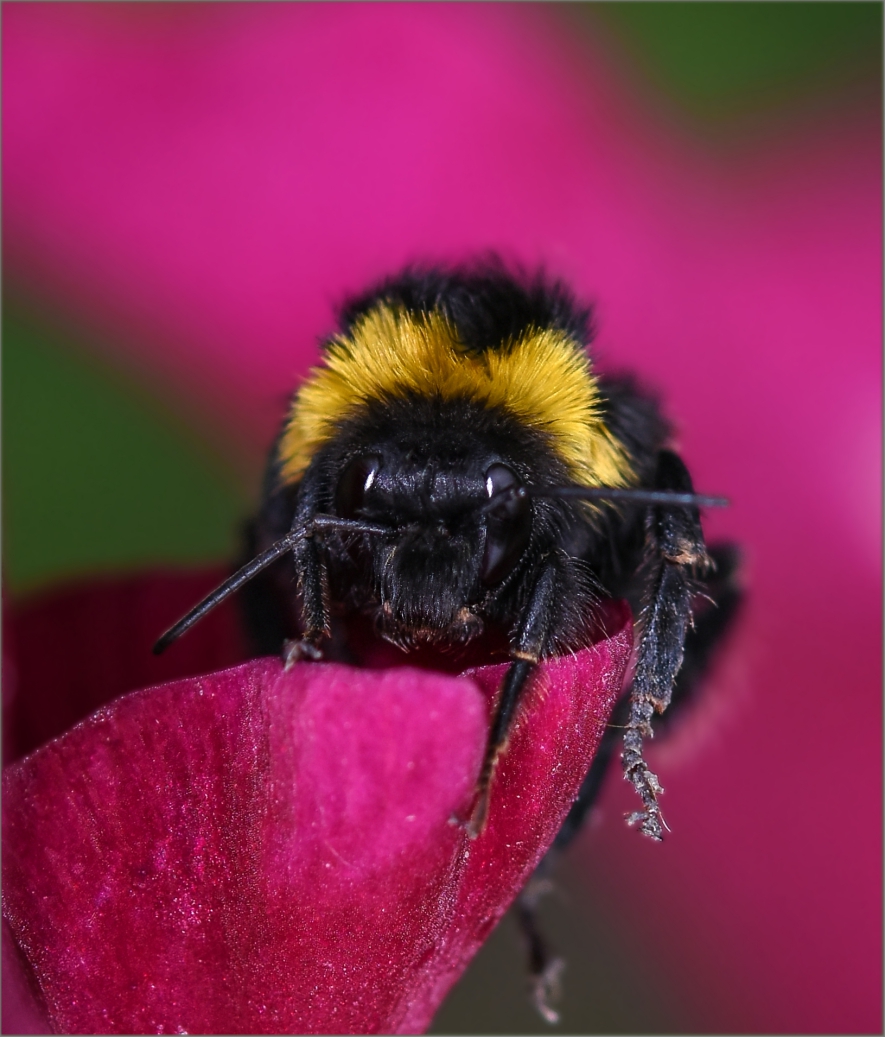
x=164, y=642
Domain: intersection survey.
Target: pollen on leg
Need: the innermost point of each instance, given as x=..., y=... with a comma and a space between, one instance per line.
x=643, y=779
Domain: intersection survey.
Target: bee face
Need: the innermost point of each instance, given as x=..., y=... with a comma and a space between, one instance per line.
x=456, y=533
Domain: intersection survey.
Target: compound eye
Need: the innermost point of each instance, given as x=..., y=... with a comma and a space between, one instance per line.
x=508, y=524
x=354, y=484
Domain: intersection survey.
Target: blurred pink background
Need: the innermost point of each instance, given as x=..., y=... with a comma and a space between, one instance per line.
x=198, y=185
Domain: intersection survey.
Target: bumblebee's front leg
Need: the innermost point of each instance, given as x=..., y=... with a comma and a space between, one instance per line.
x=525, y=651
x=313, y=585
x=675, y=553
x=313, y=589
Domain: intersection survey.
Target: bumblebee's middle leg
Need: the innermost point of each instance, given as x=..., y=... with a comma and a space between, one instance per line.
x=526, y=649
x=675, y=553
x=544, y=966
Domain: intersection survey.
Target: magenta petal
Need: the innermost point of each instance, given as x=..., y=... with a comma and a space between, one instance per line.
x=256, y=851
x=22, y=1010
x=74, y=648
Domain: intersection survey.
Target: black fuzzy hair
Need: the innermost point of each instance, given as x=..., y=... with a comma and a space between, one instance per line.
x=488, y=303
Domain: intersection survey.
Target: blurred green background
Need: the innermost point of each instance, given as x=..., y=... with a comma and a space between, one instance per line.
x=724, y=61
x=97, y=475
x=100, y=474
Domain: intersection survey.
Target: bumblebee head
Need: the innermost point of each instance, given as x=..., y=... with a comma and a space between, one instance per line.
x=455, y=534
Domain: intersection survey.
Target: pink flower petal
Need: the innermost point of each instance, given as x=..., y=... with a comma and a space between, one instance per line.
x=260, y=851
x=70, y=650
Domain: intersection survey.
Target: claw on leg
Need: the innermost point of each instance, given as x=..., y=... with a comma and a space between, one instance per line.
x=295, y=651
x=545, y=971
x=547, y=990
x=479, y=814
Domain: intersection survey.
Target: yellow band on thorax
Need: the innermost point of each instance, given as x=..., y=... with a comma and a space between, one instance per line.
x=544, y=380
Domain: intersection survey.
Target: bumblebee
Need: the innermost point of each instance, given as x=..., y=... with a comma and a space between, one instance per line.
x=456, y=464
